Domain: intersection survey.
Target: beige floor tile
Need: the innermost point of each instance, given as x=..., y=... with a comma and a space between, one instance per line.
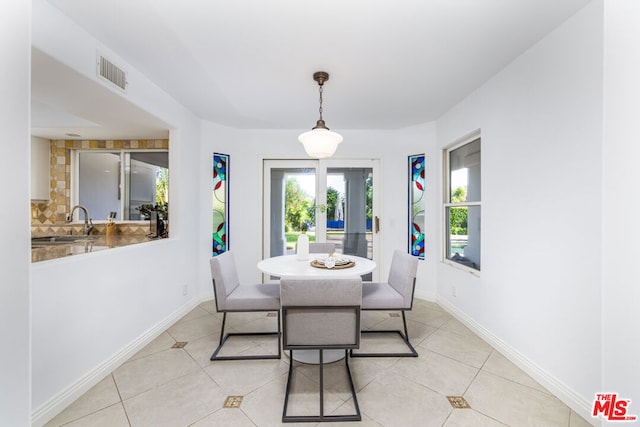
x=264, y=406
x=179, y=387
x=392, y=400
x=180, y=402
x=419, y=303
x=270, y=342
x=417, y=331
x=112, y=416
x=366, y=369
x=262, y=346
x=428, y=316
x=382, y=343
x=164, y=341
x=234, y=346
x=439, y=373
x=230, y=417
x=336, y=379
x=514, y=404
x=370, y=318
x=251, y=322
x=143, y=374
x=304, y=398
x=193, y=329
x=454, y=325
x=201, y=349
x=348, y=408
x=210, y=306
x=194, y=314
x=576, y=420
x=470, y=350
x=241, y=377
x=499, y=365
x=470, y=418
x=102, y=395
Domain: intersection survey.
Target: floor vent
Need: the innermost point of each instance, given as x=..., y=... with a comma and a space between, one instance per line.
x=112, y=73
x=179, y=344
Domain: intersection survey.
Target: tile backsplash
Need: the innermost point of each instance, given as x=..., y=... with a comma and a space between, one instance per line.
x=54, y=211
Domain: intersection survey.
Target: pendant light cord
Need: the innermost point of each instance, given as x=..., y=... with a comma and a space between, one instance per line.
x=320, y=109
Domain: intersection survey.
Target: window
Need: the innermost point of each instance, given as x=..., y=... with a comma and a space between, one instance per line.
x=462, y=203
x=128, y=183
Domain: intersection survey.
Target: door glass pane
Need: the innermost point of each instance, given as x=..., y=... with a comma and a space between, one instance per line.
x=349, y=211
x=293, y=199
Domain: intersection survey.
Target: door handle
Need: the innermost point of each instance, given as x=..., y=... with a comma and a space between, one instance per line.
x=377, y=224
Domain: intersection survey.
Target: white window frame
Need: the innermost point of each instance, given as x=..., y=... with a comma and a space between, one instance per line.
x=448, y=204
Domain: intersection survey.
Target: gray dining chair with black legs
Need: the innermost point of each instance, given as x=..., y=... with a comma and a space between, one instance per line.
x=232, y=297
x=320, y=314
x=394, y=295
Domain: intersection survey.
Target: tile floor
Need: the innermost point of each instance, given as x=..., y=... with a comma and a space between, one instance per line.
x=166, y=386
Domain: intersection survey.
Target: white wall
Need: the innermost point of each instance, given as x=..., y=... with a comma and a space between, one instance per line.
x=15, y=406
x=621, y=204
x=539, y=291
x=248, y=148
x=90, y=312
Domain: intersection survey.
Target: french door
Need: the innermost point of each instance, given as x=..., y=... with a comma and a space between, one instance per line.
x=331, y=200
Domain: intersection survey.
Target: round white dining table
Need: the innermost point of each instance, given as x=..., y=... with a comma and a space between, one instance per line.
x=290, y=265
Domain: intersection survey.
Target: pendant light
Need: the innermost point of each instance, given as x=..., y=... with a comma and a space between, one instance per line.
x=320, y=142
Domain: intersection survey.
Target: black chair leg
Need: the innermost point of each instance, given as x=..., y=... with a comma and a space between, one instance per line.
x=405, y=337
x=322, y=417
x=223, y=340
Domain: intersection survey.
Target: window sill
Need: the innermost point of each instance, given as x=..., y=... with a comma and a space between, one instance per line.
x=462, y=267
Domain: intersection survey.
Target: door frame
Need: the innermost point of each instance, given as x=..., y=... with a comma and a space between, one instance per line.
x=321, y=166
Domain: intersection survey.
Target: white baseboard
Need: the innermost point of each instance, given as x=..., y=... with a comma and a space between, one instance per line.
x=424, y=296
x=560, y=390
x=59, y=402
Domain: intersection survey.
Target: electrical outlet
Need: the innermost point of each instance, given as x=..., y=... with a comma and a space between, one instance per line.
x=184, y=290
x=453, y=291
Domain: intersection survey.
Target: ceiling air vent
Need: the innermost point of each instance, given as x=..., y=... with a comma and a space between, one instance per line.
x=112, y=73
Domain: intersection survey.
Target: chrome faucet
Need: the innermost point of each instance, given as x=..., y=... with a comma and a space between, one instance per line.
x=88, y=224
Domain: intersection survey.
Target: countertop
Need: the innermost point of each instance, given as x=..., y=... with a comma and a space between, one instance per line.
x=95, y=243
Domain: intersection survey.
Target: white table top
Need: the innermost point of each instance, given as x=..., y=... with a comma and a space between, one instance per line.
x=289, y=265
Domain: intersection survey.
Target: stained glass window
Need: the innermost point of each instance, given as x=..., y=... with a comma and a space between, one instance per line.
x=220, y=189
x=416, y=205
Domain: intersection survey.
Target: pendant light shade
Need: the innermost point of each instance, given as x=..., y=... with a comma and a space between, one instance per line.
x=320, y=142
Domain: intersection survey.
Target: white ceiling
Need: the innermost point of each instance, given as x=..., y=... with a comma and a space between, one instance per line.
x=248, y=63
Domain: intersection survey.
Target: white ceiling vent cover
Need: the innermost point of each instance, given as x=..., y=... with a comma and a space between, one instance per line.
x=112, y=73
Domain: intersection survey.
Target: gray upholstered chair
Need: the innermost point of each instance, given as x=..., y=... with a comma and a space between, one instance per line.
x=320, y=248
x=394, y=295
x=319, y=314
x=231, y=297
